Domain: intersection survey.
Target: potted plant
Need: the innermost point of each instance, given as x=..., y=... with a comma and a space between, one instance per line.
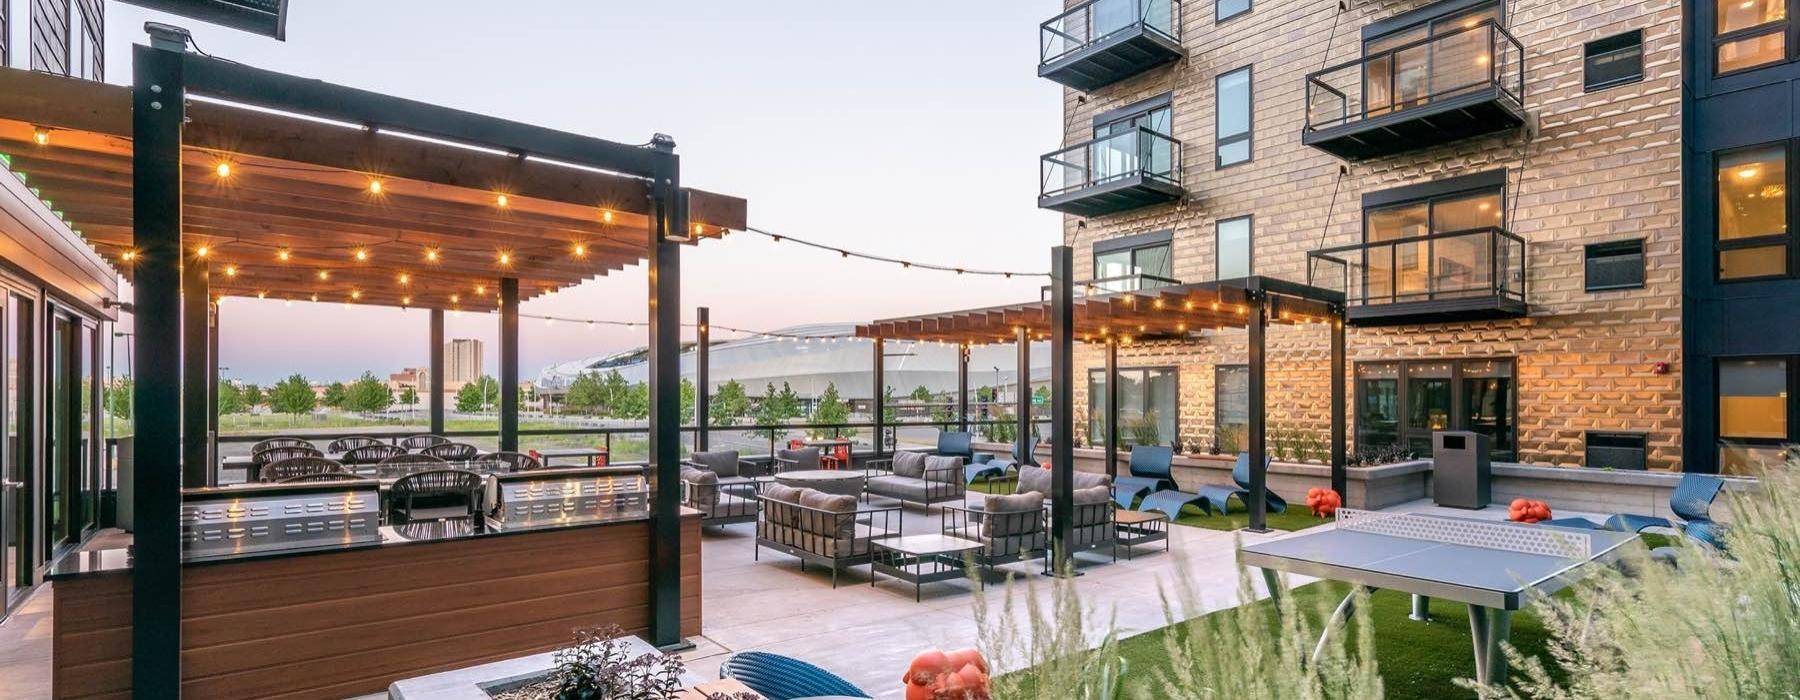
x=597, y=666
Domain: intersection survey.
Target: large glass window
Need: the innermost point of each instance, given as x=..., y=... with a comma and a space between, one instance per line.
x=1233, y=255
x=1123, y=269
x=1231, y=407
x=1148, y=405
x=1406, y=69
x=1442, y=266
x=1227, y=9
x=1232, y=116
x=1748, y=34
x=1403, y=403
x=1120, y=150
x=1753, y=212
x=1753, y=413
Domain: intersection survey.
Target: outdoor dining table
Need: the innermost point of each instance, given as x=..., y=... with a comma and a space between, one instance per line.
x=592, y=454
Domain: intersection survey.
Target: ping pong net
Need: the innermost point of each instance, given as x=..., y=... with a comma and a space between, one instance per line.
x=1468, y=533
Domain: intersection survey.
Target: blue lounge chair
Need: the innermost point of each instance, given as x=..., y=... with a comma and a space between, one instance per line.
x=778, y=677
x=1022, y=452
x=1692, y=502
x=1150, y=473
x=1214, y=496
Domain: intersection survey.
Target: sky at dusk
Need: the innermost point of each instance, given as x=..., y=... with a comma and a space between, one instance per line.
x=911, y=130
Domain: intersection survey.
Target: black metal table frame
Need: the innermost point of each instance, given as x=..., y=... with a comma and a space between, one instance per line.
x=1129, y=535
x=909, y=566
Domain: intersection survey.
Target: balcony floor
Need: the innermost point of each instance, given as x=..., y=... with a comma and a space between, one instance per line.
x=1114, y=196
x=1482, y=308
x=1444, y=120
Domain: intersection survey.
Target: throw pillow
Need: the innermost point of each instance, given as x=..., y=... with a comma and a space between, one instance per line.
x=909, y=464
x=1034, y=480
x=943, y=468
x=1017, y=514
x=829, y=523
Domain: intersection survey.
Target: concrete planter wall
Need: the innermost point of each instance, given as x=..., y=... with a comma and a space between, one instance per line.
x=1564, y=488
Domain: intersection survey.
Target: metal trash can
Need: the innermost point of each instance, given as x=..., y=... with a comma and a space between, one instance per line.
x=1461, y=471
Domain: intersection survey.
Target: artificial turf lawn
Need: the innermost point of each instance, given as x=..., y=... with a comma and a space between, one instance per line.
x=1296, y=517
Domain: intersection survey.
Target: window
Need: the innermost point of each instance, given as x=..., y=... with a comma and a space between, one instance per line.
x=1753, y=238
x=1227, y=9
x=1234, y=248
x=1432, y=57
x=1231, y=408
x=1402, y=403
x=1121, y=149
x=1748, y=34
x=1232, y=117
x=1414, y=266
x=1614, y=60
x=1135, y=262
x=1754, y=398
x=1147, y=406
x=1615, y=265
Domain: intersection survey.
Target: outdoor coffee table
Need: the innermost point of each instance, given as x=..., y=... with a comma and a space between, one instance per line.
x=920, y=559
x=1135, y=527
x=842, y=482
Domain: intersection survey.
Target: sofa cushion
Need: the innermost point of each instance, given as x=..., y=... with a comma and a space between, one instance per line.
x=1088, y=480
x=787, y=496
x=943, y=469
x=1038, y=479
x=998, y=523
x=905, y=488
x=829, y=523
x=909, y=464
x=703, y=487
x=721, y=462
x=1093, y=494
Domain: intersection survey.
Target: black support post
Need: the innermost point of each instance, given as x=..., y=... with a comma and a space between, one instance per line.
x=1111, y=404
x=215, y=309
x=195, y=369
x=1024, y=393
x=156, y=124
x=434, y=385
x=1255, y=322
x=702, y=378
x=667, y=219
x=1062, y=407
x=509, y=364
x=879, y=404
x=1340, y=475
x=962, y=387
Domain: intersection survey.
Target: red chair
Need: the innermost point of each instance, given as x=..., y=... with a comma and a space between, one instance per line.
x=838, y=458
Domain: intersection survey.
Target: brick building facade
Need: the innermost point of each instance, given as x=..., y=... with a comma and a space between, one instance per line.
x=1595, y=170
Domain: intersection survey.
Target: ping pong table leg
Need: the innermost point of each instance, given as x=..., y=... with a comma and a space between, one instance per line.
x=1338, y=617
x=1488, y=627
x=1272, y=581
x=1421, y=608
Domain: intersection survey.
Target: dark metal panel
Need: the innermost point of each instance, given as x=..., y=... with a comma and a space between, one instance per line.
x=195, y=394
x=1136, y=240
x=1120, y=195
x=509, y=364
x=1022, y=393
x=880, y=403
x=1123, y=55
x=1488, y=179
x=702, y=377
x=265, y=17
x=1476, y=113
x=666, y=221
x=1062, y=407
x=1259, y=477
x=435, y=380
x=157, y=111
x=212, y=391
x=1340, y=475
x=1437, y=311
x=962, y=387
x=1111, y=403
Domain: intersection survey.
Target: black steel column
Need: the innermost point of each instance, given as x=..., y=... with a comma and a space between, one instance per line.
x=1340, y=475
x=1255, y=321
x=667, y=219
x=1062, y=407
x=509, y=364
x=156, y=122
x=702, y=375
x=195, y=369
x=962, y=387
x=880, y=403
x=1024, y=393
x=215, y=307
x=434, y=384
x=1111, y=407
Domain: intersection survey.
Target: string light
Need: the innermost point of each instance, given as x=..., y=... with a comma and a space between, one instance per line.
x=405, y=278
x=230, y=270
x=500, y=201
x=431, y=254
x=362, y=255
x=324, y=274
x=201, y=251
x=40, y=135
x=776, y=237
x=480, y=290
x=374, y=186
x=260, y=294
x=223, y=169
x=505, y=258
x=406, y=301
x=606, y=215
x=315, y=296
x=355, y=294
x=580, y=250
x=128, y=255
x=456, y=298
x=283, y=255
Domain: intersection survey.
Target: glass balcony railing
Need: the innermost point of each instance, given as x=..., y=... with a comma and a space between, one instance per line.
x=1140, y=282
x=1473, y=272
x=1461, y=72
x=1097, y=21
x=1139, y=152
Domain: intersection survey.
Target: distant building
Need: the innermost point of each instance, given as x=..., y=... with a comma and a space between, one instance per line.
x=462, y=361
x=414, y=378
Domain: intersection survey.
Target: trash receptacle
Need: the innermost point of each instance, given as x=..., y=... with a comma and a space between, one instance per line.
x=1461, y=471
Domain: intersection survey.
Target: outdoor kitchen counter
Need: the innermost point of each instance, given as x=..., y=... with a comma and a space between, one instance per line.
x=335, y=622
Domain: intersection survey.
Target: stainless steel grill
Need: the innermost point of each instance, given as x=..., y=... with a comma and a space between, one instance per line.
x=552, y=497
x=273, y=517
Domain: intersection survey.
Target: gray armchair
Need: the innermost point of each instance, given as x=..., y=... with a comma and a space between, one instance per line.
x=915, y=477
x=803, y=459
x=827, y=529
x=1009, y=528
x=701, y=490
x=725, y=463
x=1094, y=508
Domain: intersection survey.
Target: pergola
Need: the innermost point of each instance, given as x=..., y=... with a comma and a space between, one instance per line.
x=208, y=178
x=1173, y=313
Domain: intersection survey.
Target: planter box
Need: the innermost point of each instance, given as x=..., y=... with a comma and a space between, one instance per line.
x=480, y=682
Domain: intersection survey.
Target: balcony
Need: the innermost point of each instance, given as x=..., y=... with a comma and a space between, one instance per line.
x=1470, y=275
x=1101, y=42
x=1419, y=95
x=1111, y=174
x=1139, y=282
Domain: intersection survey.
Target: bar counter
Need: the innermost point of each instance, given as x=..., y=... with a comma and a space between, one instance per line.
x=339, y=621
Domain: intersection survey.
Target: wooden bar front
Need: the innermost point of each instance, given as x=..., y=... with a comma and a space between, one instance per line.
x=341, y=624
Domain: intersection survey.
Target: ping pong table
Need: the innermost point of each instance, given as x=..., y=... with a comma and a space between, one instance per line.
x=1488, y=565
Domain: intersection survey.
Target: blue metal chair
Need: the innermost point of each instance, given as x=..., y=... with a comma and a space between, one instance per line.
x=778, y=677
x=1214, y=496
x=997, y=467
x=1150, y=472
x=1692, y=501
x=953, y=443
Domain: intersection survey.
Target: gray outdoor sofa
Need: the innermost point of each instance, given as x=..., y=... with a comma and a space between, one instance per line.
x=826, y=529
x=916, y=477
x=1093, y=507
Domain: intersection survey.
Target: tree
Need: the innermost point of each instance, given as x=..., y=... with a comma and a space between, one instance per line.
x=478, y=395
x=689, y=397
x=633, y=403
x=831, y=411
x=253, y=396
x=293, y=395
x=920, y=394
x=787, y=402
x=888, y=414
x=368, y=394
x=1040, y=396
x=613, y=394
x=409, y=396
x=118, y=399
x=587, y=394
x=768, y=412
x=729, y=403
x=231, y=399
x=334, y=394
x=985, y=394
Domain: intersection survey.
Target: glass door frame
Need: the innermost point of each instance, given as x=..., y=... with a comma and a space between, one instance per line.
x=19, y=408
x=1459, y=419
x=62, y=352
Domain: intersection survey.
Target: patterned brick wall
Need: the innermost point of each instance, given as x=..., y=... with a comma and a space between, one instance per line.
x=1601, y=166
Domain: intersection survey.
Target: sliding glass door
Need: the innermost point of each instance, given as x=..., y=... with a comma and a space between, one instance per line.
x=71, y=499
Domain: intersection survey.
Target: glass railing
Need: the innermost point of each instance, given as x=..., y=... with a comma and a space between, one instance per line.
x=1140, y=151
x=1098, y=20
x=1139, y=282
x=1417, y=74
x=1484, y=262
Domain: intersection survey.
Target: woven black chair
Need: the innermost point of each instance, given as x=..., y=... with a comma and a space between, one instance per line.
x=515, y=461
x=272, y=455
x=434, y=495
x=325, y=476
x=371, y=454
x=453, y=451
x=420, y=442
x=272, y=443
x=402, y=464
x=346, y=444
x=299, y=466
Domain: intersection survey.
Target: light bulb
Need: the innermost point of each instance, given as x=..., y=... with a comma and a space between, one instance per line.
x=374, y=186
x=223, y=169
x=283, y=255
